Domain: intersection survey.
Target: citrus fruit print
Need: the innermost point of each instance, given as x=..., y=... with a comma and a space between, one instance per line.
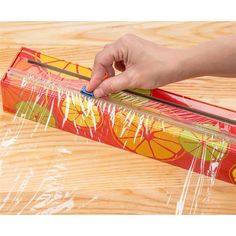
x=203, y=146
x=233, y=174
x=75, y=68
x=147, y=137
x=135, y=101
x=83, y=112
x=130, y=99
x=143, y=91
x=35, y=112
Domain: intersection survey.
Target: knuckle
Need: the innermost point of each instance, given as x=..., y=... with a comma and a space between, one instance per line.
x=98, y=56
x=107, y=46
x=126, y=38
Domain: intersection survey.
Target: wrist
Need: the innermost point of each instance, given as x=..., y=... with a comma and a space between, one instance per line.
x=191, y=64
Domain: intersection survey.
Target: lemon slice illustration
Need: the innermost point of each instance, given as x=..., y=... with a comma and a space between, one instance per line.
x=147, y=137
x=35, y=112
x=82, y=112
x=202, y=145
x=233, y=174
x=61, y=64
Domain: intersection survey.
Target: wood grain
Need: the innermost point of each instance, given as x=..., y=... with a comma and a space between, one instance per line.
x=55, y=172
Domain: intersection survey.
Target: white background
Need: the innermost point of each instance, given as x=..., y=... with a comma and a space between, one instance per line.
x=118, y=10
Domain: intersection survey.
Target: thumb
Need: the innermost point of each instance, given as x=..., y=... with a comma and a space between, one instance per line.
x=112, y=85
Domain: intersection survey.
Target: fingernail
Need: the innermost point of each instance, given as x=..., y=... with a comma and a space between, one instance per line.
x=88, y=88
x=98, y=93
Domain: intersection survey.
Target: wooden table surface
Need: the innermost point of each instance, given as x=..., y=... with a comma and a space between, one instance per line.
x=55, y=172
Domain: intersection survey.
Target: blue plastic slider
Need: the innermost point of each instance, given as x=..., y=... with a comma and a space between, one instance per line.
x=85, y=92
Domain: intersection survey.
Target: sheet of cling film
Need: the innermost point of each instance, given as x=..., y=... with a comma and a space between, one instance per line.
x=47, y=168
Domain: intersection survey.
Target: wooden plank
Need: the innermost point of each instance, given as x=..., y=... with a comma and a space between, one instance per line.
x=57, y=172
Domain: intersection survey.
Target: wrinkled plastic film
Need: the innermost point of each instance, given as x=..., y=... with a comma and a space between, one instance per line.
x=122, y=120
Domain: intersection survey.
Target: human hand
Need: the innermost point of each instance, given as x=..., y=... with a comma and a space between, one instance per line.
x=142, y=64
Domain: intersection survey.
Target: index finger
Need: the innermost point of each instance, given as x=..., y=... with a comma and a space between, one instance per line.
x=103, y=64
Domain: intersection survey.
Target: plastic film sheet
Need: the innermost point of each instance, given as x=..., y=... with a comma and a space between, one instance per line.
x=47, y=168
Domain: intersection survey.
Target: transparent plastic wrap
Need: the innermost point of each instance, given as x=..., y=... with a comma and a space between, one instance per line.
x=181, y=135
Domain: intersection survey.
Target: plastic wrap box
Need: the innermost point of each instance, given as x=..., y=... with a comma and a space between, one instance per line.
x=137, y=124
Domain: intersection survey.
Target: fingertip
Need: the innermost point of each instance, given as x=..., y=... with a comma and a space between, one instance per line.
x=93, y=83
x=95, y=80
x=89, y=88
